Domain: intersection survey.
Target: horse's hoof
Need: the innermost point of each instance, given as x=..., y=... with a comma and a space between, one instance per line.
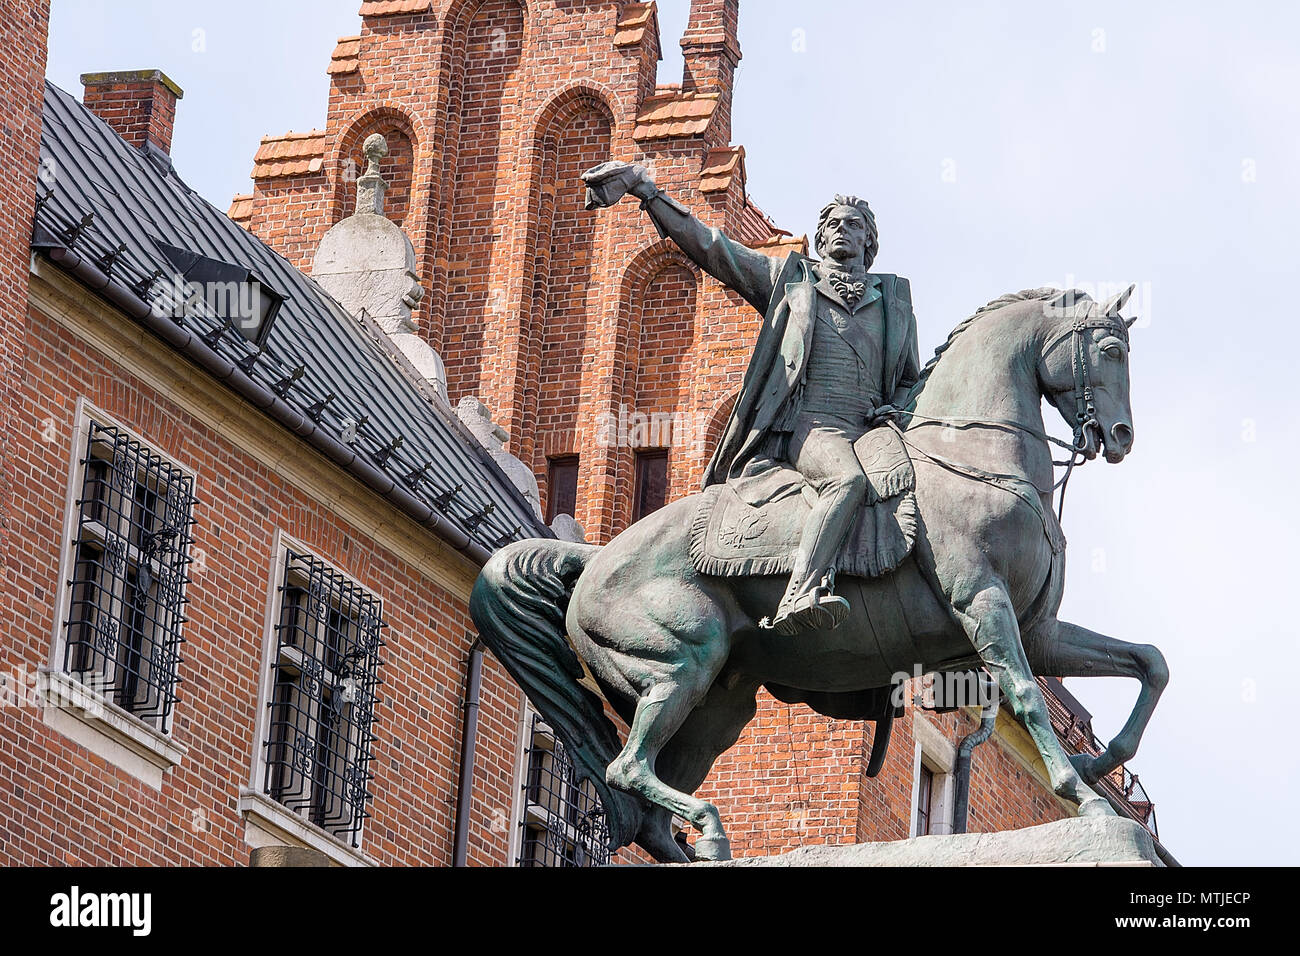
x=1097, y=807
x=715, y=849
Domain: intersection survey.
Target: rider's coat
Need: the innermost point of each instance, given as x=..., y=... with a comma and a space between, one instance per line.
x=787, y=293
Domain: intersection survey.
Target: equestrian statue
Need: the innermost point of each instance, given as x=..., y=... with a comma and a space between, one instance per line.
x=862, y=518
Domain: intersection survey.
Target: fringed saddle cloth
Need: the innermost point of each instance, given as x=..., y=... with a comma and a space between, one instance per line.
x=751, y=525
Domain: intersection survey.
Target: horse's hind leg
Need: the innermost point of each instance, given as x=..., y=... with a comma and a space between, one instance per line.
x=711, y=728
x=989, y=618
x=1058, y=649
x=670, y=694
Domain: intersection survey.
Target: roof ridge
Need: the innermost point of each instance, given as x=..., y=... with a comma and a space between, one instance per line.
x=308, y=134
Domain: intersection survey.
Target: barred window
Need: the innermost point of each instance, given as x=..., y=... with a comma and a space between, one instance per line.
x=323, y=696
x=129, y=573
x=563, y=822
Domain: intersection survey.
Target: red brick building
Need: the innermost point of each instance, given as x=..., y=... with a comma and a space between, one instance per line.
x=608, y=360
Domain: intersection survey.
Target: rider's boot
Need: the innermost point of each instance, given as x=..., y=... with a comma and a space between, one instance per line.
x=810, y=602
x=815, y=608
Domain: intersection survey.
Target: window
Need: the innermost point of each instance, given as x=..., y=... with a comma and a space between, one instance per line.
x=324, y=676
x=651, y=483
x=933, y=783
x=561, y=487
x=228, y=292
x=924, y=800
x=563, y=822
x=129, y=565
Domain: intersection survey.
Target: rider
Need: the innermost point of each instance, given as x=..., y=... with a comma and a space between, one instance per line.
x=838, y=347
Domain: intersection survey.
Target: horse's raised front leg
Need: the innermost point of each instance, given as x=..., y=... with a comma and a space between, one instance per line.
x=989, y=618
x=1059, y=649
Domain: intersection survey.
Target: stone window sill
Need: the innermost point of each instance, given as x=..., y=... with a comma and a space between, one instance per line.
x=124, y=740
x=268, y=823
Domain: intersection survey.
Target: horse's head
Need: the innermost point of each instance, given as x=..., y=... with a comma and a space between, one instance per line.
x=1083, y=370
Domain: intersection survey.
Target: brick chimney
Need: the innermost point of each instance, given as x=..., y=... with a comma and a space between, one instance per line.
x=711, y=49
x=710, y=46
x=140, y=105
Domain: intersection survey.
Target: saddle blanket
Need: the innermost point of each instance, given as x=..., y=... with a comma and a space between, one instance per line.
x=751, y=525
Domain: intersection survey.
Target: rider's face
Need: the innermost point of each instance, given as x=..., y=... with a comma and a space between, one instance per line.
x=844, y=236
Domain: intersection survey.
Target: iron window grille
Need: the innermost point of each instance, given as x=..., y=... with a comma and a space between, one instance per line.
x=563, y=821
x=323, y=698
x=129, y=575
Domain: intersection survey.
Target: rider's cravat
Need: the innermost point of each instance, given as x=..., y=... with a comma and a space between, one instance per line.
x=849, y=290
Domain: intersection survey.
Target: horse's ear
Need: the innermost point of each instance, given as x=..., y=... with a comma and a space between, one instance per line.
x=1129, y=322
x=1113, y=306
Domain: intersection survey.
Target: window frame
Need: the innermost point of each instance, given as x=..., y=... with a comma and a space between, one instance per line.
x=530, y=814
x=551, y=465
x=271, y=822
x=640, y=457
x=925, y=803
x=934, y=754
x=83, y=711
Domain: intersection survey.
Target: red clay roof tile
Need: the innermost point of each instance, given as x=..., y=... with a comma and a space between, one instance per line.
x=389, y=8
x=673, y=113
x=721, y=168
x=241, y=208
x=631, y=27
x=292, y=154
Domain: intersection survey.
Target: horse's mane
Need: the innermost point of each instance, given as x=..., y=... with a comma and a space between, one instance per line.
x=1024, y=295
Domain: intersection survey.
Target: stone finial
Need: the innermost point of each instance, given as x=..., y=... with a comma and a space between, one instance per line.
x=371, y=186
x=375, y=149
x=477, y=417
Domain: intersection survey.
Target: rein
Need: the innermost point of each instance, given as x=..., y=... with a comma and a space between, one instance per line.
x=1085, y=416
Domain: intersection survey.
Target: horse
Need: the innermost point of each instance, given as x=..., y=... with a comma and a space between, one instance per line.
x=679, y=656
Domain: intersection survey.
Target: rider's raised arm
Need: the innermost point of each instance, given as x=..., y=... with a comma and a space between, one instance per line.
x=736, y=266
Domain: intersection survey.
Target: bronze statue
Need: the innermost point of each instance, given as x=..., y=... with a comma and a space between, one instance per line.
x=954, y=560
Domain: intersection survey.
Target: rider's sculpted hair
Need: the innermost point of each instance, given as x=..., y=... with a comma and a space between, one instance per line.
x=873, y=234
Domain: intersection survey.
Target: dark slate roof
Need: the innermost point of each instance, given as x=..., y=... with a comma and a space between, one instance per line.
x=139, y=201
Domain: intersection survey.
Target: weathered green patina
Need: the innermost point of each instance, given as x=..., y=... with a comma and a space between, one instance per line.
x=681, y=654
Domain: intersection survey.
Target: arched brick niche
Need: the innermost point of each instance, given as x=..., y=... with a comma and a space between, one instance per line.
x=397, y=168
x=573, y=133
x=480, y=194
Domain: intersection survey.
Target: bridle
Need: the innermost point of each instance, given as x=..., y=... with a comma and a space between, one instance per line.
x=1085, y=409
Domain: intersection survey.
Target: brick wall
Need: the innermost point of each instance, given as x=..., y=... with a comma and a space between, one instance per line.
x=60, y=803
x=503, y=109
x=24, y=26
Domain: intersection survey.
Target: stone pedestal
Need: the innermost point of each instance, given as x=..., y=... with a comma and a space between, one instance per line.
x=1081, y=841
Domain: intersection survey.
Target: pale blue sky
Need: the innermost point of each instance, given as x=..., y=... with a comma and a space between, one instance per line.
x=1003, y=145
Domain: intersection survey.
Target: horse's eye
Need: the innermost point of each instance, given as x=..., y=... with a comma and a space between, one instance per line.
x=1111, y=347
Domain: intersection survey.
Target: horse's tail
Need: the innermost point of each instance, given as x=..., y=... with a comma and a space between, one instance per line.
x=519, y=604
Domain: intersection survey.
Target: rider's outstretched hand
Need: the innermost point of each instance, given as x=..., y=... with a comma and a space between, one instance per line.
x=609, y=182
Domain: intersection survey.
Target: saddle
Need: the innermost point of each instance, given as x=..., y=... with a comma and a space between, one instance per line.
x=751, y=525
